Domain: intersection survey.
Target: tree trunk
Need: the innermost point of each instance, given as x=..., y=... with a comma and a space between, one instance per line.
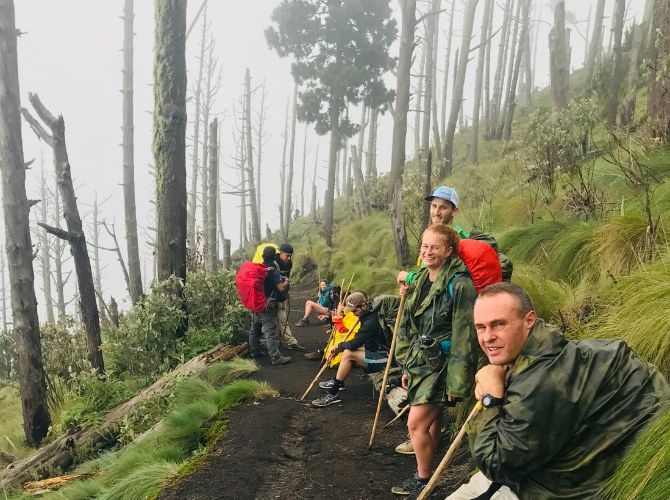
x=371, y=158
x=418, y=97
x=58, y=257
x=596, y=44
x=400, y=132
x=288, y=189
x=474, y=140
x=81, y=442
x=357, y=164
x=558, y=67
x=211, y=255
x=3, y=299
x=487, y=74
x=457, y=94
x=195, y=167
x=244, y=241
x=658, y=103
x=226, y=254
x=435, y=125
x=261, y=121
x=528, y=83
x=617, y=65
x=46, y=251
x=635, y=59
x=427, y=190
x=500, y=71
x=510, y=71
x=17, y=239
x=253, y=205
x=74, y=234
x=97, y=277
x=302, y=177
x=445, y=81
x=282, y=171
x=510, y=101
x=128, y=130
x=329, y=197
x=312, y=205
x=431, y=28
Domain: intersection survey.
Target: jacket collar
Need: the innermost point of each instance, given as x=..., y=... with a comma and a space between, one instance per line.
x=452, y=266
x=544, y=340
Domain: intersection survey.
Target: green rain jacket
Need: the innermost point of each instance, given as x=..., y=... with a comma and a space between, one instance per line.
x=571, y=411
x=442, y=317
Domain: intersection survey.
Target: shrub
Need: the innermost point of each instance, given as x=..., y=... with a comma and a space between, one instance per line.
x=64, y=348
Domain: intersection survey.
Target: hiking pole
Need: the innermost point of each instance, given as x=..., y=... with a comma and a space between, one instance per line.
x=455, y=444
x=398, y=416
x=398, y=318
x=349, y=285
x=325, y=364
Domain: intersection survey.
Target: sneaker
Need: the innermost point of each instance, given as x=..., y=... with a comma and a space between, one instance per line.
x=296, y=347
x=329, y=384
x=411, y=486
x=281, y=360
x=326, y=399
x=314, y=356
x=303, y=322
x=405, y=448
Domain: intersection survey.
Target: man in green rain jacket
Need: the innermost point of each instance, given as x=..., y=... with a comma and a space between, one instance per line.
x=559, y=415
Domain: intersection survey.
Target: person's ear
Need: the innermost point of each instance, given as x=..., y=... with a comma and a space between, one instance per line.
x=529, y=319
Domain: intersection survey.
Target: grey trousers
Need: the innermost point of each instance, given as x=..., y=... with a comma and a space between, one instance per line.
x=268, y=329
x=285, y=334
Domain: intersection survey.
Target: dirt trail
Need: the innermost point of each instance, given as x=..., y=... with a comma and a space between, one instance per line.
x=284, y=448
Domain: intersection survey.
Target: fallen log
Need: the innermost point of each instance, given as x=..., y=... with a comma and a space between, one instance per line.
x=6, y=458
x=77, y=444
x=55, y=483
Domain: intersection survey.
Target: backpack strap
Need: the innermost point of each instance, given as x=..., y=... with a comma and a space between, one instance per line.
x=452, y=281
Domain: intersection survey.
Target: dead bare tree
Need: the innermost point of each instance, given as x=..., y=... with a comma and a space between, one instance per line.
x=302, y=177
x=617, y=62
x=128, y=131
x=111, y=231
x=445, y=81
x=457, y=94
x=558, y=67
x=288, y=186
x=211, y=255
x=371, y=158
x=18, y=244
x=45, y=254
x=474, y=140
x=253, y=201
x=417, y=104
x=431, y=28
x=74, y=234
x=97, y=275
x=260, y=143
x=408, y=8
x=195, y=167
x=500, y=71
x=312, y=206
x=659, y=80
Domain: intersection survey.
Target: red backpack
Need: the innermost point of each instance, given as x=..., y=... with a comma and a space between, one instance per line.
x=249, y=281
x=482, y=261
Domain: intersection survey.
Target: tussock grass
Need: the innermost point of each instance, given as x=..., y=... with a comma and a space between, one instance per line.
x=636, y=310
x=135, y=457
x=11, y=422
x=548, y=296
x=142, y=483
x=644, y=474
x=221, y=373
x=82, y=490
x=532, y=244
x=192, y=389
x=242, y=391
x=568, y=259
x=617, y=246
x=183, y=425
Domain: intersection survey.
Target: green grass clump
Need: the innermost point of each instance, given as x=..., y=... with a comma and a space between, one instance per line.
x=183, y=425
x=549, y=297
x=11, y=422
x=192, y=389
x=644, y=474
x=81, y=490
x=136, y=457
x=636, y=310
x=532, y=244
x=142, y=483
x=242, y=391
x=220, y=374
x=617, y=246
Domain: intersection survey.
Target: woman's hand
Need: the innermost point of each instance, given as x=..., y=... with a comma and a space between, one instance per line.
x=402, y=275
x=403, y=289
x=404, y=381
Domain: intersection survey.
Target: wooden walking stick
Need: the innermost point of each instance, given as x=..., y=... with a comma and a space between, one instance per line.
x=349, y=285
x=455, y=444
x=398, y=416
x=325, y=364
x=398, y=318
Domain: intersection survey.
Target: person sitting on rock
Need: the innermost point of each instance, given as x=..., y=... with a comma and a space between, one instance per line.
x=323, y=307
x=368, y=349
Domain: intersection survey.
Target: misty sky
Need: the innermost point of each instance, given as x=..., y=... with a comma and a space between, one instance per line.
x=70, y=56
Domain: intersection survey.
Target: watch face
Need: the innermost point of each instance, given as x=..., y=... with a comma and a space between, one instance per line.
x=486, y=401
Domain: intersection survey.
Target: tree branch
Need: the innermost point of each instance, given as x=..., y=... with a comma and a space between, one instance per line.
x=60, y=233
x=41, y=134
x=45, y=115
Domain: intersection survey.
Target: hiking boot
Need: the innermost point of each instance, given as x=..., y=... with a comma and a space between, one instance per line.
x=303, y=322
x=329, y=384
x=296, y=347
x=411, y=486
x=405, y=448
x=326, y=399
x=314, y=356
x=255, y=354
x=281, y=360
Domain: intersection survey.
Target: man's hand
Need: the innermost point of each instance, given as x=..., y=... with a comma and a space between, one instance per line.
x=490, y=380
x=333, y=352
x=404, y=381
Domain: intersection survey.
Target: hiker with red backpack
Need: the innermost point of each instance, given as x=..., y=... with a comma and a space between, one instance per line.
x=439, y=358
x=273, y=285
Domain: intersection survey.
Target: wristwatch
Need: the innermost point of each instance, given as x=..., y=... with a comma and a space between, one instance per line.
x=489, y=401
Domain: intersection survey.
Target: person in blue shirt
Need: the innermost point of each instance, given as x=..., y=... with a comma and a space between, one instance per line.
x=322, y=307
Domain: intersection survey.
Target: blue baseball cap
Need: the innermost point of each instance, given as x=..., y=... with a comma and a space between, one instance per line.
x=446, y=193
